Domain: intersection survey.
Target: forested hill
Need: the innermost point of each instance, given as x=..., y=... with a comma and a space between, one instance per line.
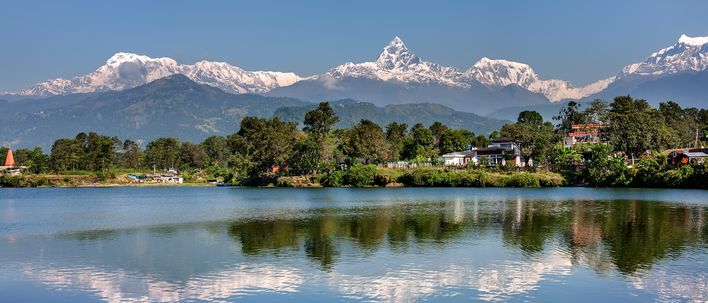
x=174, y=106
x=350, y=112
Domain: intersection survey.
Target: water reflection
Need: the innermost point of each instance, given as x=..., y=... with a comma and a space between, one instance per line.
x=434, y=250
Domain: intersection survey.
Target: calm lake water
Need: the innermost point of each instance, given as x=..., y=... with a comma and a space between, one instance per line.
x=196, y=244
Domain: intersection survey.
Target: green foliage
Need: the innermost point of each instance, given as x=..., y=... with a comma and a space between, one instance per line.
x=634, y=126
x=305, y=156
x=163, y=153
x=268, y=142
x=360, y=175
x=130, y=156
x=420, y=143
x=533, y=135
x=396, y=134
x=455, y=140
x=569, y=116
x=320, y=121
x=35, y=160
x=216, y=149
x=366, y=141
x=523, y=180
x=567, y=161
x=265, y=149
x=334, y=179
x=430, y=177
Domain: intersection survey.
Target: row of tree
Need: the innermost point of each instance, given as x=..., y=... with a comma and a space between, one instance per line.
x=264, y=145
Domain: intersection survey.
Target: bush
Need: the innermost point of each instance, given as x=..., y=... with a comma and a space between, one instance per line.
x=646, y=173
x=523, y=180
x=360, y=175
x=10, y=181
x=284, y=182
x=334, y=179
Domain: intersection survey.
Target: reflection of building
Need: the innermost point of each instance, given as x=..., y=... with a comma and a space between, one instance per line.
x=586, y=133
x=10, y=168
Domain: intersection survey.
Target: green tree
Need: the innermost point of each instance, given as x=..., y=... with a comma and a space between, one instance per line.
x=318, y=124
x=420, y=144
x=480, y=141
x=131, y=155
x=597, y=112
x=367, y=141
x=163, y=153
x=217, y=149
x=34, y=159
x=681, y=125
x=530, y=117
x=268, y=142
x=396, y=134
x=533, y=135
x=455, y=140
x=437, y=129
x=634, y=126
x=320, y=121
x=568, y=116
x=192, y=156
x=304, y=156
x=66, y=154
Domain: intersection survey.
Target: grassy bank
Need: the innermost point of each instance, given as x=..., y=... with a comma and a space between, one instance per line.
x=372, y=176
x=85, y=179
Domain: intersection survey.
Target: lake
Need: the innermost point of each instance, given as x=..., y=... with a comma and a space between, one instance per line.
x=206, y=244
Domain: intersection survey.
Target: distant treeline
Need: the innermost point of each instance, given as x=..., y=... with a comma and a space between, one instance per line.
x=264, y=149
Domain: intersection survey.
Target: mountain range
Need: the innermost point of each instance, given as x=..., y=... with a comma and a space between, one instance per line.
x=139, y=97
x=176, y=106
x=397, y=74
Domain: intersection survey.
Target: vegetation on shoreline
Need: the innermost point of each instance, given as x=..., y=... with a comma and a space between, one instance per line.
x=274, y=152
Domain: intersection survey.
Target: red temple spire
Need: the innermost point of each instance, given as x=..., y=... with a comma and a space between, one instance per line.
x=9, y=160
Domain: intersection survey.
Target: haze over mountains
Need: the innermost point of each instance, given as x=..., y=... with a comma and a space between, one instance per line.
x=211, y=97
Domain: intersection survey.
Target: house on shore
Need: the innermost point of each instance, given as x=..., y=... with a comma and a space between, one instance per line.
x=586, y=133
x=460, y=158
x=693, y=156
x=171, y=176
x=499, y=152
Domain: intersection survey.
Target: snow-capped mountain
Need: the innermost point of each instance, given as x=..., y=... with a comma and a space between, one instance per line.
x=126, y=70
x=396, y=67
x=688, y=54
x=502, y=73
x=678, y=72
x=397, y=63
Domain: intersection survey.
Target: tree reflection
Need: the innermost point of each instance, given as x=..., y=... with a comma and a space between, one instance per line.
x=604, y=235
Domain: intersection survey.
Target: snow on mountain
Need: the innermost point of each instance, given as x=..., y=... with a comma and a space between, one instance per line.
x=397, y=63
x=688, y=54
x=502, y=73
x=126, y=70
x=231, y=78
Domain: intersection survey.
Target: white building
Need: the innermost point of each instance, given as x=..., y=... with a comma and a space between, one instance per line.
x=499, y=152
x=460, y=158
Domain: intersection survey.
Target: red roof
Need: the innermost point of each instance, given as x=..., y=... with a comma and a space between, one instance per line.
x=589, y=125
x=9, y=160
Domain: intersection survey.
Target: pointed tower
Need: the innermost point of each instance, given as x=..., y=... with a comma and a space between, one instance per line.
x=9, y=160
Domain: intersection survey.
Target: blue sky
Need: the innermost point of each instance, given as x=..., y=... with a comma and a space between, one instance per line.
x=580, y=41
